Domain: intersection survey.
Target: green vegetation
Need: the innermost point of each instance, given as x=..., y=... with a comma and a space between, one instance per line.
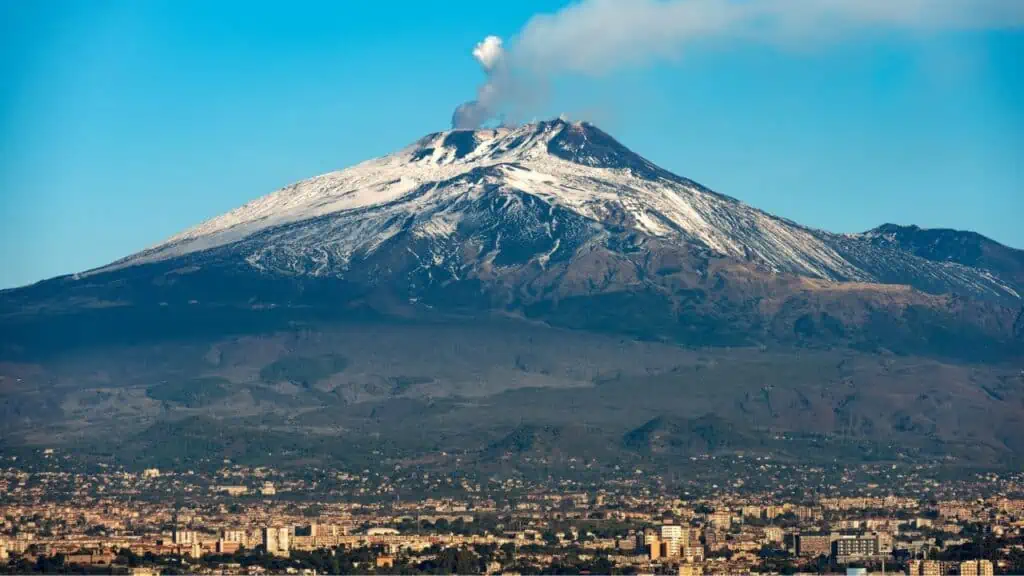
x=303, y=371
x=194, y=393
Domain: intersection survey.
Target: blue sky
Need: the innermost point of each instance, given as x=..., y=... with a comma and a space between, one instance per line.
x=122, y=123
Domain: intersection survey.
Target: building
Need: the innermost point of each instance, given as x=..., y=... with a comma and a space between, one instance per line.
x=90, y=559
x=721, y=519
x=231, y=540
x=691, y=570
x=772, y=534
x=151, y=473
x=924, y=568
x=184, y=537
x=884, y=542
x=268, y=489
x=3, y=549
x=813, y=545
x=654, y=547
x=277, y=540
x=693, y=552
x=327, y=535
x=224, y=547
x=672, y=536
x=848, y=547
x=977, y=568
x=232, y=490
x=751, y=511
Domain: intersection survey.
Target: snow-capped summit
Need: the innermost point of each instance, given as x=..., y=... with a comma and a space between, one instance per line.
x=462, y=201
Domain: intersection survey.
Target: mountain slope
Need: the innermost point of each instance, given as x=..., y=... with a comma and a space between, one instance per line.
x=516, y=294
x=551, y=221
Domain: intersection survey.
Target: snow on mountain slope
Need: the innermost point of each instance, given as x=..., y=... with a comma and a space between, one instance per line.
x=433, y=188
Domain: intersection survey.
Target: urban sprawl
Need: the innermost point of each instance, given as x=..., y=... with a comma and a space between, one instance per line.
x=235, y=519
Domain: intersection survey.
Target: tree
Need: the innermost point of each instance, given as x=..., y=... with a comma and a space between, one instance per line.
x=128, y=557
x=50, y=564
x=508, y=551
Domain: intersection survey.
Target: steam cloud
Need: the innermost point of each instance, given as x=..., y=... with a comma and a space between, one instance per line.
x=491, y=55
x=594, y=37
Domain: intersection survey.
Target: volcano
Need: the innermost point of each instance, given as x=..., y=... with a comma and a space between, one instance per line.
x=553, y=235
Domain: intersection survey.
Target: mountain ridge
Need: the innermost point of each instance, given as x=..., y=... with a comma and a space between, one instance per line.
x=609, y=185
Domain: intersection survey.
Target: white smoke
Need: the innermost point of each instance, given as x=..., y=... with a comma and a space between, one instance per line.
x=595, y=37
x=491, y=55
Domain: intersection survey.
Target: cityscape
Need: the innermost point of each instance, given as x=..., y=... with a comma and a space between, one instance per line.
x=56, y=516
x=503, y=288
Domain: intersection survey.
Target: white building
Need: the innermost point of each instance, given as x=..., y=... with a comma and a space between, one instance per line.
x=235, y=536
x=773, y=534
x=185, y=537
x=276, y=540
x=232, y=490
x=977, y=568
x=672, y=536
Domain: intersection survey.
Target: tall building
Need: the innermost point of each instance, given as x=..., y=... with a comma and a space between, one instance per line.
x=672, y=536
x=231, y=540
x=977, y=568
x=276, y=540
x=713, y=539
x=693, y=552
x=848, y=547
x=813, y=545
x=653, y=547
x=184, y=537
x=644, y=539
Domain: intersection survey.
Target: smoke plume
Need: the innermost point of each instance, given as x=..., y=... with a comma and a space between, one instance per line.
x=491, y=55
x=595, y=37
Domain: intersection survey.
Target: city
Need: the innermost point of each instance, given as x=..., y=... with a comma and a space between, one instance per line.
x=589, y=287
x=56, y=516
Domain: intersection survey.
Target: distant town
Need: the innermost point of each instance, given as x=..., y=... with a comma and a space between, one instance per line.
x=58, y=518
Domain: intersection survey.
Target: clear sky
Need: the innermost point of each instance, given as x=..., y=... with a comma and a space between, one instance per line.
x=124, y=122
